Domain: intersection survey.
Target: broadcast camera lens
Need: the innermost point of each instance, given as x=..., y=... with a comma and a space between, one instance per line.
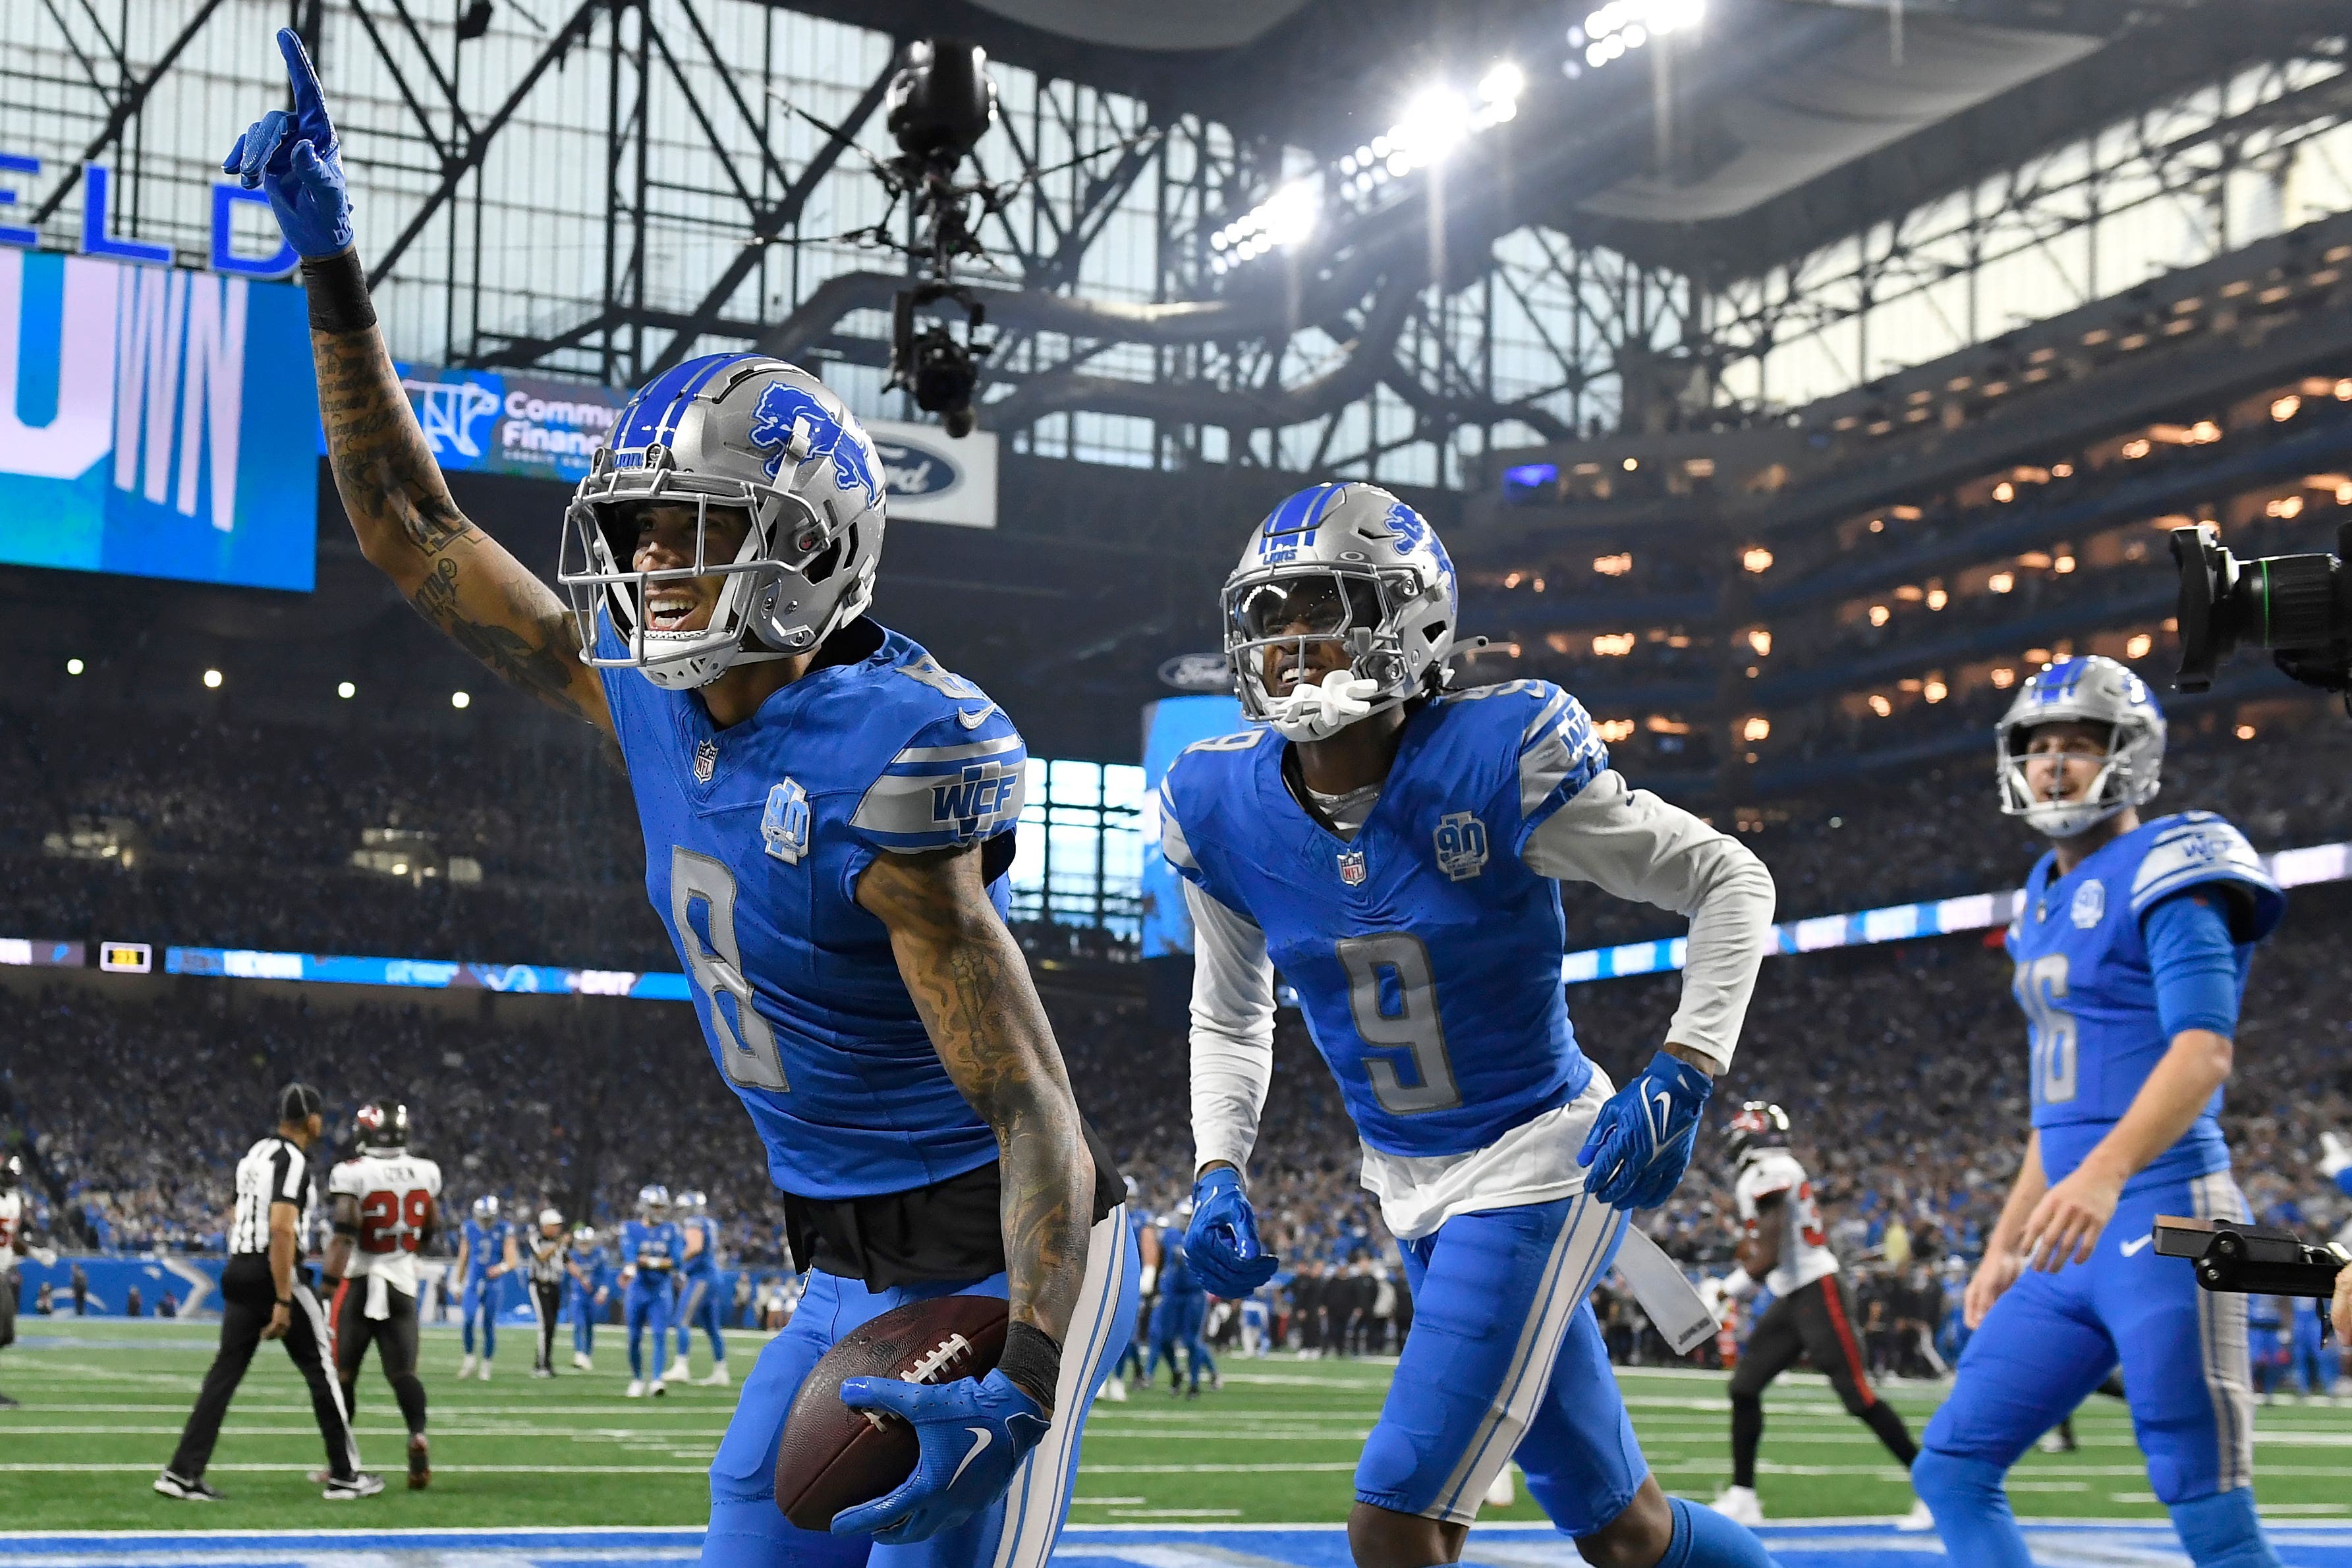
x=2300, y=605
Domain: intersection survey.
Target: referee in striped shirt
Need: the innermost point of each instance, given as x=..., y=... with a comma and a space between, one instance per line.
x=266, y=1295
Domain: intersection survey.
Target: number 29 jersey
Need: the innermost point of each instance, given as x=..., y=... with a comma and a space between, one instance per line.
x=2088, y=991
x=1805, y=1254
x=394, y=1193
x=1426, y=953
x=755, y=837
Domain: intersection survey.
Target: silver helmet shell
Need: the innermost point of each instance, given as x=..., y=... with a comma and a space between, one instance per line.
x=2089, y=689
x=1377, y=557
x=741, y=431
x=653, y=1198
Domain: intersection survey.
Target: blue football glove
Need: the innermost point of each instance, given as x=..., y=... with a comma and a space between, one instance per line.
x=296, y=160
x=1221, y=1241
x=974, y=1435
x=1641, y=1141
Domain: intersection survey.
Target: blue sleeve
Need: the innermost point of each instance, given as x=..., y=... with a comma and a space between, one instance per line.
x=2194, y=961
x=1560, y=754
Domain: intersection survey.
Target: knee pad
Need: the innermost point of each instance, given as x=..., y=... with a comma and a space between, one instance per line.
x=2221, y=1530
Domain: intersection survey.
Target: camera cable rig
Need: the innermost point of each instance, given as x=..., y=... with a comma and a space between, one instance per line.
x=938, y=107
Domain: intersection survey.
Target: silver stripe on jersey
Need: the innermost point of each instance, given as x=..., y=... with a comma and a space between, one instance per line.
x=2222, y=1334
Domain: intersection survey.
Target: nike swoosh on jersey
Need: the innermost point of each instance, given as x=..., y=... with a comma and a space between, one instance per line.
x=975, y=721
x=981, y=1438
x=2131, y=1249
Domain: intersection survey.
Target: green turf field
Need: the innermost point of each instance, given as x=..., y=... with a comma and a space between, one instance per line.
x=103, y=1401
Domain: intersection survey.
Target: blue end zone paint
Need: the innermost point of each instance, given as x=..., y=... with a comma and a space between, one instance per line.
x=1825, y=1545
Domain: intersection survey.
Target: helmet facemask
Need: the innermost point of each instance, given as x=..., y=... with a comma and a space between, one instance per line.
x=2113, y=788
x=1350, y=609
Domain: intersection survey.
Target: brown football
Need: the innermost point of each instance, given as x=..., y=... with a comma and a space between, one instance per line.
x=834, y=1458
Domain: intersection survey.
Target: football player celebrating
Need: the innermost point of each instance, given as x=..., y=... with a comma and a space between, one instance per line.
x=2131, y=943
x=383, y=1203
x=1782, y=1246
x=1395, y=849
x=650, y=1246
x=698, y=1289
x=828, y=820
x=586, y=1293
x=486, y=1254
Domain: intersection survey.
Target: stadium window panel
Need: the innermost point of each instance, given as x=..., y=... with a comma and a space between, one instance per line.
x=1079, y=859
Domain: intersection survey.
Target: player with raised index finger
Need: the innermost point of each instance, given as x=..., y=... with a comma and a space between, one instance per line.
x=1395, y=848
x=828, y=820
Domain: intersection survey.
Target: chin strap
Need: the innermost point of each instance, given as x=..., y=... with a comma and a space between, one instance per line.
x=1319, y=712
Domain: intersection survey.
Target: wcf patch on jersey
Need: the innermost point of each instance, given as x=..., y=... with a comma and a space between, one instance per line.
x=2090, y=904
x=784, y=826
x=976, y=798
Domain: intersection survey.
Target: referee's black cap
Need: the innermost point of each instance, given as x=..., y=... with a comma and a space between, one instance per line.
x=299, y=1102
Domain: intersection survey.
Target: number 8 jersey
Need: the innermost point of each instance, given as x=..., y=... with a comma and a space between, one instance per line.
x=2089, y=994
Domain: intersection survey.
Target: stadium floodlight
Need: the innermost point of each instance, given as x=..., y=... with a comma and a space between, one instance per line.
x=212, y=679
x=346, y=691
x=460, y=700
x=1621, y=26
x=73, y=666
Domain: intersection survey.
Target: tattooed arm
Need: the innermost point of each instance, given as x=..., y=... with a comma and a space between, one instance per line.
x=459, y=577
x=972, y=986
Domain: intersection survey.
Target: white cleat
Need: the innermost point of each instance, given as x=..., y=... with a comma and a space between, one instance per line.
x=717, y=1378
x=1917, y=1520
x=1740, y=1505
x=1116, y=1391
x=680, y=1371
x=582, y=1362
x=466, y=1367
x=361, y=1485
x=636, y=1389
x=659, y=1388
x=1500, y=1492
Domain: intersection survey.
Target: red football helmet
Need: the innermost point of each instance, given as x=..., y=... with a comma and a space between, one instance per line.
x=1756, y=1126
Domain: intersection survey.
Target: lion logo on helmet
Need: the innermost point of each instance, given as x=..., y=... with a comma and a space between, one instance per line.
x=786, y=414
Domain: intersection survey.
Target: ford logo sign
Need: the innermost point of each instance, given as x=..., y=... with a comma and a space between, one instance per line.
x=912, y=470
x=1198, y=672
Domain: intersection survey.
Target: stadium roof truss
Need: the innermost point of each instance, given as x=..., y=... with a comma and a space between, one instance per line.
x=600, y=188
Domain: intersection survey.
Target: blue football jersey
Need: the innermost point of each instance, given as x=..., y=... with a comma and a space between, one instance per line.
x=755, y=837
x=707, y=1261
x=1425, y=954
x=596, y=1267
x=1176, y=1275
x=651, y=1246
x=2084, y=980
x=485, y=1244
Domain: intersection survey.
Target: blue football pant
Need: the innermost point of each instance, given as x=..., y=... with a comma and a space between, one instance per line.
x=2314, y=1363
x=1196, y=1349
x=698, y=1306
x=480, y=1300
x=2052, y=1338
x=748, y=1531
x=579, y=1307
x=647, y=1306
x=2266, y=1355
x=1176, y=1320
x=1505, y=1358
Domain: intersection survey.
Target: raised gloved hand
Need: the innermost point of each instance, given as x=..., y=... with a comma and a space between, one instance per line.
x=1221, y=1241
x=974, y=1435
x=2334, y=1154
x=297, y=161
x=1641, y=1141
x=1318, y=712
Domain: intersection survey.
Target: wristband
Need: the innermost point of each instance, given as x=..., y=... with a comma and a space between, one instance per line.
x=337, y=286
x=1032, y=1361
x=1738, y=1286
x=286, y=1302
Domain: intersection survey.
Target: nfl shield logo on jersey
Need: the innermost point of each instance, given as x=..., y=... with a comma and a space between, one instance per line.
x=786, y=824
x=2090, y=904
x=1351, y=866
x=706, y=760
x=1461, y=846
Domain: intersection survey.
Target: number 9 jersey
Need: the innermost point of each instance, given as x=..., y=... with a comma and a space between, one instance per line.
x=2089, y=994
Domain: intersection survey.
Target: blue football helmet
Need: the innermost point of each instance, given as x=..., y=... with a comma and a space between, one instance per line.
x=1349, y=564
x=749, y=433
x=2090, y=690
x=485, y=1208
